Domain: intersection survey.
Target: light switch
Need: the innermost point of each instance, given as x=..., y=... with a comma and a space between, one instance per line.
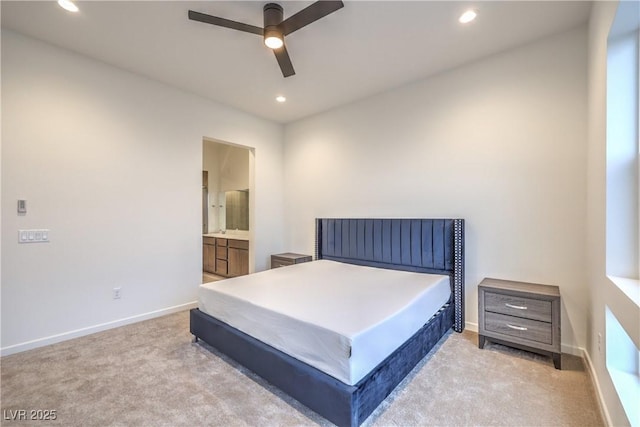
x=33, y=236
x=22, y=207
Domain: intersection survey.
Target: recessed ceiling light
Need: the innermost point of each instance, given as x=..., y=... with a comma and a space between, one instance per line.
x=468, y=16
x=68, y=5
x=280, y=98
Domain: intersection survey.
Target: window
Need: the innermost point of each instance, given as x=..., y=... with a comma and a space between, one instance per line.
x=623, y=358
x=622, y=154
x=622, y=203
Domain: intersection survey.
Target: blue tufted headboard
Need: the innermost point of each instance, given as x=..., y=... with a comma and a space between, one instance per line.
x=421, y=245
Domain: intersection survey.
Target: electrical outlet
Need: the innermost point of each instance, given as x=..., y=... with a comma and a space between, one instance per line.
x=117, y=293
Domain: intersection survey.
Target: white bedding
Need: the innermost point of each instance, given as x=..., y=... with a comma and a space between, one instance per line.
x=340, y=318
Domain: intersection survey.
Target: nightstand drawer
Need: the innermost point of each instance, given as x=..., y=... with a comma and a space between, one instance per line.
x=527, y=329
x=280, y=262
x=288, y=258
x=512, y=305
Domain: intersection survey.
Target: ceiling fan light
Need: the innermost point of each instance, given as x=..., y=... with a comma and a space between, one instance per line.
x=273, y=38
x=273, y=42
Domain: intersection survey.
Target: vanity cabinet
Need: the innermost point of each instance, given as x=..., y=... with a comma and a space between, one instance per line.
x=221, y=257
x=225, y=257
x=238, y=257
x=209, y=254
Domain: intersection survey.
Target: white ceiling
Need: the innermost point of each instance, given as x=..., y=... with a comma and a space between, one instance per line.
x=362, y=49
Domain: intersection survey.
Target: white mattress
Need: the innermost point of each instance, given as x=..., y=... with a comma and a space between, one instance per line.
x=340, y=318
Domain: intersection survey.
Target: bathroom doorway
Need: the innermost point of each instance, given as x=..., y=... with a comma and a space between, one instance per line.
x=227, y=210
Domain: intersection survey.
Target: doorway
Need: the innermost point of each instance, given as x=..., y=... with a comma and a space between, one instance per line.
x=227, y=210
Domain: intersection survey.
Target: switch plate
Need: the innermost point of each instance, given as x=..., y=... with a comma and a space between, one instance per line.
x=22, y=207
x=33, y=236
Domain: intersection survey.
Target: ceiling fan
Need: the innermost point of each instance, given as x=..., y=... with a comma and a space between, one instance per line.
x=275, y=26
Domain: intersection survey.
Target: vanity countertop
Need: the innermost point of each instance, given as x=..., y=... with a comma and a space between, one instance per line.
x=230, y=235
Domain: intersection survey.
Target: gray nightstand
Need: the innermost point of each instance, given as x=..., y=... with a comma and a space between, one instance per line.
x=521, y=315
x=288, y=258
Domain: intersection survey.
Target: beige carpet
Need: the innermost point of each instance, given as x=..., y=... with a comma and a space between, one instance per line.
x=152, y=374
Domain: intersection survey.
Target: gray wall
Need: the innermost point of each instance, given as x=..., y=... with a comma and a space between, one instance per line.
x=500, y=142
x=111, y=163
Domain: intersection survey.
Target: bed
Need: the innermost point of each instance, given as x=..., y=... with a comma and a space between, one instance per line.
x=366, y=248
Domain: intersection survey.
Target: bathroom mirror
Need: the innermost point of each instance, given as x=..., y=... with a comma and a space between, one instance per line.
x=236, y=209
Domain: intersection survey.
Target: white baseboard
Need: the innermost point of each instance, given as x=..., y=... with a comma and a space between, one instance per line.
x=569, y=349
x=596, y=385
x=471, y=326
x=41, y=342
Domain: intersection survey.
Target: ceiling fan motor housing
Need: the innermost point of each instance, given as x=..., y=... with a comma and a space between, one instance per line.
x=273, y=15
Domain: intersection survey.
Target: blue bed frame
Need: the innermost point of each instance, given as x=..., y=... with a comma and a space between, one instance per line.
x=421, y=245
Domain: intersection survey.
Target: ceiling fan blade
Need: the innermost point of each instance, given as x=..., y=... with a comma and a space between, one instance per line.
x=284, y=61
x=227, y=23
x=308, y=15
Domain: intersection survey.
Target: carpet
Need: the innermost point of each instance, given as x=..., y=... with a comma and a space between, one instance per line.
x=152, y=374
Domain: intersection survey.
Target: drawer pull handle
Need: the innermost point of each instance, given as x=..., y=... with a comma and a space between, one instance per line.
x=517, y=307
x=517, y=328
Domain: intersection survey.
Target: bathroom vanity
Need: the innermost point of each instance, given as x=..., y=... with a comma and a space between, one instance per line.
x=225, y=254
